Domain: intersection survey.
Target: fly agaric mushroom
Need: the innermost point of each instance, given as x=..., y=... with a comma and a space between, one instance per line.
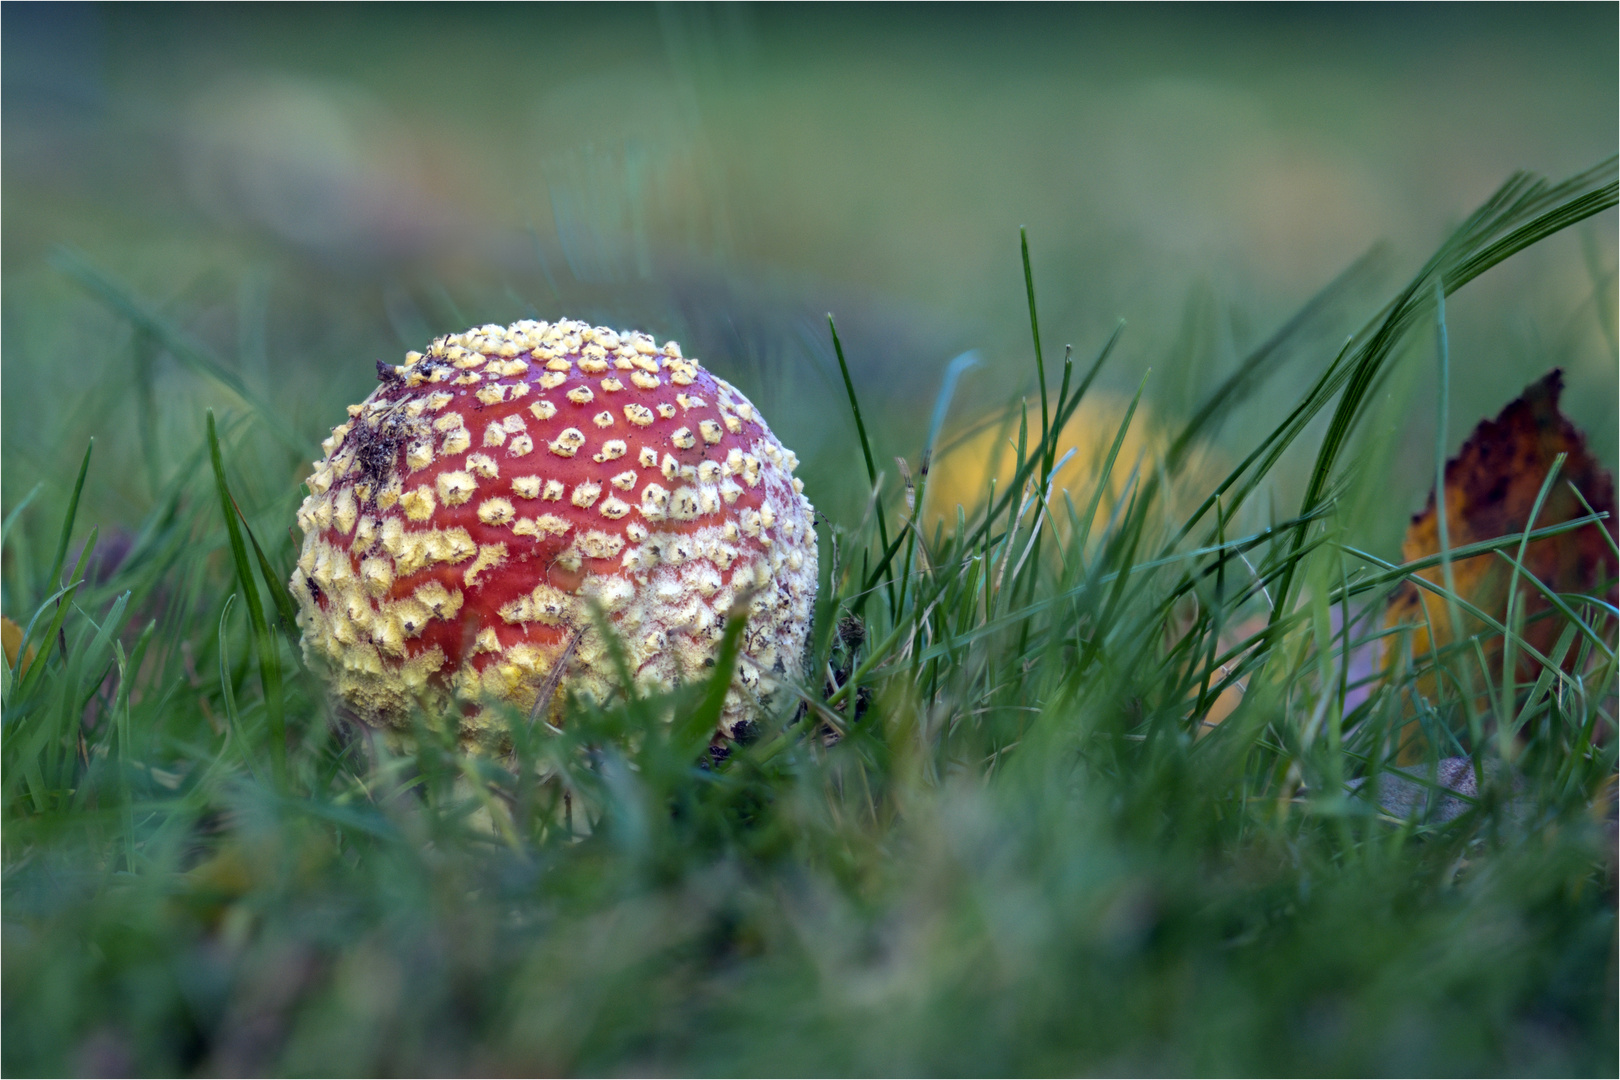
x=493, y=491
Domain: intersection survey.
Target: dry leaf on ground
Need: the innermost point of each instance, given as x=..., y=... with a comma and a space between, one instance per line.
x=1491, y=488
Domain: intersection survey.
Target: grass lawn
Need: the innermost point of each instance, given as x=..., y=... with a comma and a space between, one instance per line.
x=996, y=833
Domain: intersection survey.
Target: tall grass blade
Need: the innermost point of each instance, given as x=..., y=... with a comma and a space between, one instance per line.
x=227, y=685
x=68, y=519
x=264, y=641
x=866, y=452
x=274, y=583
x=1040, y=359
x=1509, y=659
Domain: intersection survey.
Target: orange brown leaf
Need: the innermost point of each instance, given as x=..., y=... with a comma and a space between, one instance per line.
x=1490, y=490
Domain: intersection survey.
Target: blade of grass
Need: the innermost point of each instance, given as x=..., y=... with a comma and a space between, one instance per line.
x=1608, y=537
x=68, y=519
x=36, y=670
x=1442, y=511
x=1509, y=660
x=38, y=741
x=275, y=584
x=693, y=732
x=1040, y=360
x=227, y=686
x=34, y=620
x=1395, y=572
x=995, y=419
x=264, y=641
x=16, y=511
x=866, y=452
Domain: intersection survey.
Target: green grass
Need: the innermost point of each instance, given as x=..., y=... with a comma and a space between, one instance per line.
x=1017, y=855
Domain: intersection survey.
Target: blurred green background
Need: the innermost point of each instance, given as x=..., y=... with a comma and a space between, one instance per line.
x=310, y=189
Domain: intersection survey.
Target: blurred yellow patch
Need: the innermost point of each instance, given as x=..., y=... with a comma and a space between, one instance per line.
x=961, y=474
x=11, y=636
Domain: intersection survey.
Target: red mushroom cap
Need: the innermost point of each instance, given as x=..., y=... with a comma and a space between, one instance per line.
x=490, y=490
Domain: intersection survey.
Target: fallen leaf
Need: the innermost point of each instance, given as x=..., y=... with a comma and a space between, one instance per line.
x=1490, y=490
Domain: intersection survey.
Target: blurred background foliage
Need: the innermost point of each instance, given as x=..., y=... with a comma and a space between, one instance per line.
x=309, y=190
